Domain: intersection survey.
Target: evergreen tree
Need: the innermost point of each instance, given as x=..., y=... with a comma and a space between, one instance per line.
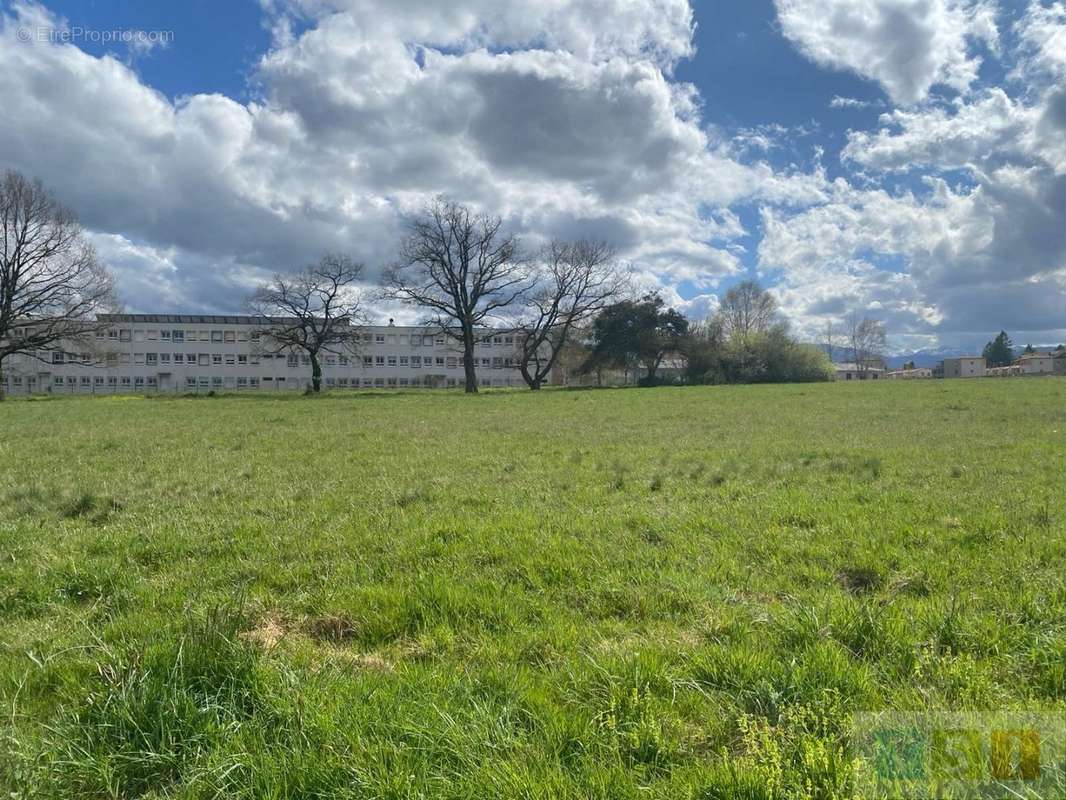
x=1000, y=351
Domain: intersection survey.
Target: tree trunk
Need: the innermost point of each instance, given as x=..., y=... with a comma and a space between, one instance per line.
x=1, y=379
x=468, y=360
x=316, y=374
x=535, y=385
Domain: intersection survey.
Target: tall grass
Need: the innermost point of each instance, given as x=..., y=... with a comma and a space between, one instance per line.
x=618, y=594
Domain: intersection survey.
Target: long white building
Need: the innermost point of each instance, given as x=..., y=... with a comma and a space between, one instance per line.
x=138, y=353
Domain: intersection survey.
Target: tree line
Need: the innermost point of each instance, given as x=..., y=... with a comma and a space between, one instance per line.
x=469, y=277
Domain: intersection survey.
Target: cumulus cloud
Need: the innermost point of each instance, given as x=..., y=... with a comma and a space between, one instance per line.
x=562, y=117
x=907, y=46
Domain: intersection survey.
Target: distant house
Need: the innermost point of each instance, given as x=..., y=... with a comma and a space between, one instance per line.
x=965, y=367
x=869, y=371
x=1037, y=364
x=1060, y=362
x=910, y=374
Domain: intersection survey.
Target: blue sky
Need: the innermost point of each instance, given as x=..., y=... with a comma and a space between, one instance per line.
x=894, y=158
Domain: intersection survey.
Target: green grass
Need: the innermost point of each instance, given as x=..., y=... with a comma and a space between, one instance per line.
x=661, y=593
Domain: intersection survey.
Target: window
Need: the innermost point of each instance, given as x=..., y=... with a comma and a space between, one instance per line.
x=368, y=362
x=153, y=382
x=368, y=338
x=242, y=336
x=497, y=362
x=216, y=336
x=153, y=336
x=330, y=382
x=451, y=362
x=254, y=359
x=379, y=361
x=151, y=359
x=100, y=334
x=403, y=339
x=230, y=359
x=124, y=335
x=126, y=381
x=112, y=334
x=190, y=383
x=508, y=340
x=242, y=383
x=254, y=382
x=138, y=383
x=379, y=338
x=179, y=336
x=486, y=362
x=331, y=361
x=392, y=382
x=439, y=361
x=164, y=358
x=368, y=382
x=293, y=361
x=125, y=358
x=379, y=382
x=216, y=382
x=205, y=336
x=440, y=340
x=216, y=359
x=392, y=361
x=57, y=381
x=343, y=360
x=404, y=382
x=230, y=337
x=205, y=359
x=112, y=381
x=138, y=336
x=242, y=360
x=98, y=380
x=305, y=360
x=164, y=335
x=85, y=380
x=392, y=338
x=59, y=357
x=404, y=361
x=204, y=383
x=255, y=336
x=342, y=382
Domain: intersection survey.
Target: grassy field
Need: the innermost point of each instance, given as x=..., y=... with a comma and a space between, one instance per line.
x=660, y=593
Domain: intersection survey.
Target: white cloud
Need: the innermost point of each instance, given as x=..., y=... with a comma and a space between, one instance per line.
x=908, y=46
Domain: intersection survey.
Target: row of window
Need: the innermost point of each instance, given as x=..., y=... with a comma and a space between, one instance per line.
x=150, y=383
x=180, y=336
x=292, y=361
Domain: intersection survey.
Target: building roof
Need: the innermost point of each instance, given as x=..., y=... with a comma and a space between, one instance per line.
x=194, y=319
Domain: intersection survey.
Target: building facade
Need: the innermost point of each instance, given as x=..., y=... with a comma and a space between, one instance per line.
x=966, y=367
x=138, y=353
x=1037, y=364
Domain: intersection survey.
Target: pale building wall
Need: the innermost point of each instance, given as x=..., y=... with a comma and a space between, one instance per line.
x=185, y=353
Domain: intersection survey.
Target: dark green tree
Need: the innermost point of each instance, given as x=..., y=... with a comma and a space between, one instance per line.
x=1000, y=351
x=1030, y=349
x=636, y=333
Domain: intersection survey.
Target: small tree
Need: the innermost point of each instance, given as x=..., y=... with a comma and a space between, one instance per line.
x=463, y=269
x=747, y=308
x=631, y=333
x=868, y=340
x=1000, y=351
x=574, y=281
x=316, y=311
x=1029, y=349
x=51, y=285
x=829, y=339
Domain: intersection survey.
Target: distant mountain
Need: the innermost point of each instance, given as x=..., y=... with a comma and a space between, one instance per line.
x=928, y=358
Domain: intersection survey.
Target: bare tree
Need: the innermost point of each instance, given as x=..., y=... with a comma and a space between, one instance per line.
x=868, y=341
x=51, y=284
x=574, y=281
x=463, y=269
x=317, y=311
x=829, y=339
x=747, y=308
